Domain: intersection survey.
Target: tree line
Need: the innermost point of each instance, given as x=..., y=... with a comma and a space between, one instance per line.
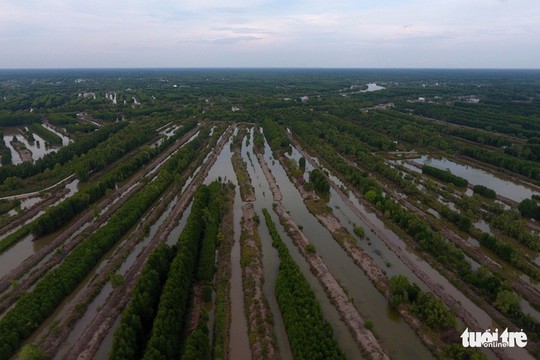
x=35, y=306
x=167, y=333
x=309, y=334
x=444, y=175
x=58, y=215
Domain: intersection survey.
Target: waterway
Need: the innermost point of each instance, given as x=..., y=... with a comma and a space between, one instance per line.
x=396, y=337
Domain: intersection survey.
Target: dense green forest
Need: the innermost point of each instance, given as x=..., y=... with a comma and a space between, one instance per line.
x=97, y=164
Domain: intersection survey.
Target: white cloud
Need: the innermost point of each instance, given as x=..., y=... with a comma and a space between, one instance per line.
x=285, y=33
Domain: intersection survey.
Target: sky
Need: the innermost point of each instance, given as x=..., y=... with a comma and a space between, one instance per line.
x=270, y=33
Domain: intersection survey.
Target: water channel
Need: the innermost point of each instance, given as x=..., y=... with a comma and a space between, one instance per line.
x=396, y=337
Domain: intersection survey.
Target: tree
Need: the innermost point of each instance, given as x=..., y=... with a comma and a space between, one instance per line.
x=302, y=163
x=433, y=311
x=507, y=301
x=398, y=290
x=529, y=209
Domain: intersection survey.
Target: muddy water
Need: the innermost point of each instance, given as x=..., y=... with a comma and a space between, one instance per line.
x=29, y=202
x=61, y=311
x=394, y=334
x=156, y=168
x=15, y=157
x=270, y=255
x=239, y=342
x=331, y=315
x=341, y=332
x=84, y=321
x=527, y=308
x=106, y=345
x=172, y=239
x=65, y=139
x=38, y=148
x=483, y=226
x=137, y=249
x=16, y=254
x=476, y=176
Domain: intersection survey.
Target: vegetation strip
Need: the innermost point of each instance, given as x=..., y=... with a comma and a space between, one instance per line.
x=468, y=318
x=350, y=315
x=309, y=334
x=222, y=284
x=258, y=314
x=431, y=339
x=28, y=214
x=62, y=156
x=136, y=321
x=246, y=188
x=89, y=341
x=59, y=282
x=46, y=134
x=167, y=334
x=122, y=193
x=429, y=239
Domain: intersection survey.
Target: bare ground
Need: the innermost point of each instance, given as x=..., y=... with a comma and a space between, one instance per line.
x=223, y=284
x=258, y=314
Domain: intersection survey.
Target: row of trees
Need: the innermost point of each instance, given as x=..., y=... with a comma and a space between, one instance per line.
x=56, y=216
x=310, y=336
x=426, y=305
x=480, y=116
x=485, y=191
x=167, y=331
x=444, y=175
x=80, y=128
x=16, y=118
x=511, y=223
x=61, y=119
x=35, y=306
x=319, y=181
x=503, y=249
x=430, y=241
x=523, y=167
x=47, y=135
x=376, y=140
x=425, y=133
x=274, y=134
x=197, y=346
x=5, y=152
x=137, y=318
x=434, y=313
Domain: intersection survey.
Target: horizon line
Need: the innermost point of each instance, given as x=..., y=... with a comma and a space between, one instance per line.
x=264, y=68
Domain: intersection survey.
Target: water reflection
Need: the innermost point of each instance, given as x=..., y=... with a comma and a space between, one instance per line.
x=476, y=176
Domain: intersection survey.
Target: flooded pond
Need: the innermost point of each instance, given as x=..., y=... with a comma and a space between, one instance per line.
x=15, y=157
x=476, y=176
x=373, y=87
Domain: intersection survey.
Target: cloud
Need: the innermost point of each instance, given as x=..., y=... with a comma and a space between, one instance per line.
x=276, y=32
x=223, y=41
